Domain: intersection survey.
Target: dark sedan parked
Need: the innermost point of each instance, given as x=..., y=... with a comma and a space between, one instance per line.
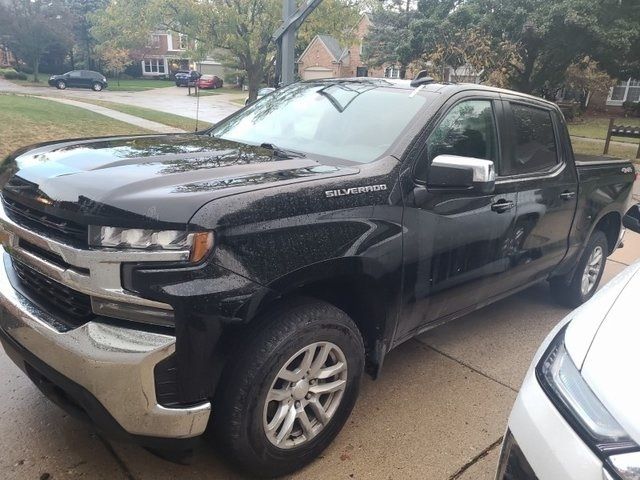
x=79, y=78
x=184, y=78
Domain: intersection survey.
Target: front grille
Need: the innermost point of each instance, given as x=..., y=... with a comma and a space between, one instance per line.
x=45, y=223
x=70, y=305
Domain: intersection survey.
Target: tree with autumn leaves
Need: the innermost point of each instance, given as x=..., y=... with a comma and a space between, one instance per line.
x=239, y=31
x=534, y=46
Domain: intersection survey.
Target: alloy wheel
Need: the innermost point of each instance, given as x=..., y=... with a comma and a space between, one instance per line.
x=592, y=270
x=305, y=395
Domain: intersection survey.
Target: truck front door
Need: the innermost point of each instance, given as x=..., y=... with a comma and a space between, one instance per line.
x=537, y=162
x=456, y=244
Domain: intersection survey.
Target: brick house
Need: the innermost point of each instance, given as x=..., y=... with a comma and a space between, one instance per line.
x=167, y=52
x=324, y=57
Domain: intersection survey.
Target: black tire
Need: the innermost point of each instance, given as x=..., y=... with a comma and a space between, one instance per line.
x=96, y=87
x=61, y=84
x=238, y=422
x=570, y=292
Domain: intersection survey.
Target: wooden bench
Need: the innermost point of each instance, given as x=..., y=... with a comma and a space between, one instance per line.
x=627, y=131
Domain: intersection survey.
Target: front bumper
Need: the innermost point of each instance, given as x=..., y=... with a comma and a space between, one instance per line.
x=110, y=367
x=542, y=440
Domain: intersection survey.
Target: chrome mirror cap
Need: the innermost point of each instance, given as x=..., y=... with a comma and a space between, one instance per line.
x=483, y=170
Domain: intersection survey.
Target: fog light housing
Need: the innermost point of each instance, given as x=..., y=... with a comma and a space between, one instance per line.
x=134, y=313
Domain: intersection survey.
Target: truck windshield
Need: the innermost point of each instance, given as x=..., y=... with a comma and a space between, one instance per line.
x=355, y=121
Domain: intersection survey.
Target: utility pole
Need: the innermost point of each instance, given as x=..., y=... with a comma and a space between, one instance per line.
x=285, y=37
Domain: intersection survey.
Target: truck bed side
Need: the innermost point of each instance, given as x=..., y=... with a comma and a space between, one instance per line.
x=604, y=192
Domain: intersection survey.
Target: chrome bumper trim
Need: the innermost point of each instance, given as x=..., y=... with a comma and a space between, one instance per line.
x=103, y=265
x=115, y=364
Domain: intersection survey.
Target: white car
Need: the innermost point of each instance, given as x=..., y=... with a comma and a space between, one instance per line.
x=577, y=415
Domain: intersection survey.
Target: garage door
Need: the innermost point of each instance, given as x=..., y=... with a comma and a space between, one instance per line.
x=313, y=73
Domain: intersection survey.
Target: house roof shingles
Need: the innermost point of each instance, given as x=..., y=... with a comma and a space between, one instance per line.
x=332, y=45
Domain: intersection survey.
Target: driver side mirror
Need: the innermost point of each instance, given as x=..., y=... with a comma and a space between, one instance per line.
x=452, y=172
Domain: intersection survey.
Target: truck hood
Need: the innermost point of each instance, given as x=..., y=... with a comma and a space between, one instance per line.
x=611, y=353
x=148, y=179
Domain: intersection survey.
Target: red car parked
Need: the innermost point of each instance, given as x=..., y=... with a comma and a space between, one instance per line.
x=209, y=81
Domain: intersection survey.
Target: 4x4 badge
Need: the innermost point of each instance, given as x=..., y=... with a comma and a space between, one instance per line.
x=354, y=190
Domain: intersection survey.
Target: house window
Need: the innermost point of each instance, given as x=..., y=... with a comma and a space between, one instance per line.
x=183, y=42
x=155, y=40
x=392, y=72
x=626, y=91
x=154, y=65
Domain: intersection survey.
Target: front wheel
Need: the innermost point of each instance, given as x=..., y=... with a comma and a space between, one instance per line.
x=61, y=84
x=587, y=275
x=97, y=87
x=290, y=390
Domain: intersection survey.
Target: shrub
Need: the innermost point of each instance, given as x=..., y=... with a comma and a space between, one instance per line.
x=631, y=109
x=25, y=69
x=11, y=74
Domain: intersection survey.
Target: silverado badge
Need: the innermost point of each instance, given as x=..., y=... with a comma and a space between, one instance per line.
x=354, y=190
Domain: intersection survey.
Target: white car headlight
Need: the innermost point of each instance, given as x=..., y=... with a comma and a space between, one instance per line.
x=198, y=243
x=562, y=382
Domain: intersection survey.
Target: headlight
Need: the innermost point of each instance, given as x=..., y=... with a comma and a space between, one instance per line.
x=567, y=389
x=198, y=243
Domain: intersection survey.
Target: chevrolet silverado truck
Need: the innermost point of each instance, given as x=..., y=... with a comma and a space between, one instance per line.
x=240, y=280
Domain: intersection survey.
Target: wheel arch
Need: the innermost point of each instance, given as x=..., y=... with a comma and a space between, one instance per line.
x=610, y=224
x=345, y=283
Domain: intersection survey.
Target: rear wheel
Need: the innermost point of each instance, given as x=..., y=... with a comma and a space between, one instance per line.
x=587, y=275
x=61, y=84
x=291, y=389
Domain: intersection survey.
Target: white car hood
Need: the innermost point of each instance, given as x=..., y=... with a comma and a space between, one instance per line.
x=612, y=357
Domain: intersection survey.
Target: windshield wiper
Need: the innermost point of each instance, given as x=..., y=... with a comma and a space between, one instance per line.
x=282, y=152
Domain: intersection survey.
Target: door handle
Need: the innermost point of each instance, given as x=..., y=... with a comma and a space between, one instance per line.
x=502, y=206
x=567, y=195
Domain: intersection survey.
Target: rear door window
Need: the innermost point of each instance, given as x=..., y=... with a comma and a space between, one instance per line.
x=534, y=145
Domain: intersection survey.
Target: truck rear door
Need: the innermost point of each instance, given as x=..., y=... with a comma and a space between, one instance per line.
x=538, y=161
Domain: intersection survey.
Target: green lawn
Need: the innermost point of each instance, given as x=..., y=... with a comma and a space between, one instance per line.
x=218, y=91
x=29, y=82
x=177, y=121
x=137, y=84
x=25, y=120
x=584, y=130
x=589, y=147
x=596, y=127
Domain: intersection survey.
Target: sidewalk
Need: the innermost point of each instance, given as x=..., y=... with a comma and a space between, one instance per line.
x=123, y=117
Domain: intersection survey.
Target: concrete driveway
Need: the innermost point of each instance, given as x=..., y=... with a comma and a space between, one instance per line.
x=437, y=412
x=210, y=108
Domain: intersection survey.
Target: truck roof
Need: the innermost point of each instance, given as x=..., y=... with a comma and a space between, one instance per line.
x=441, y=87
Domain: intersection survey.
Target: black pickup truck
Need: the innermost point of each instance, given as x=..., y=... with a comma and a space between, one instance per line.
x=242, y=279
